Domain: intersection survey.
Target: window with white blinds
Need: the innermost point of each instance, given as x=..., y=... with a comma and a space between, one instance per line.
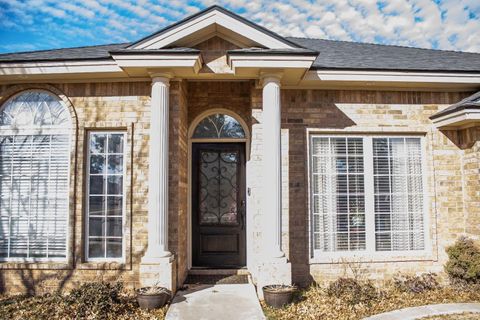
x=34, y=177
x=397, y=169
x=367, y=194
x=106, y=199
x=338, y=194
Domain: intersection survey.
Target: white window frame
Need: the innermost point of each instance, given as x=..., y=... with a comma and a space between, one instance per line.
x=33, y=130
x=370, y=254
x=87, y=197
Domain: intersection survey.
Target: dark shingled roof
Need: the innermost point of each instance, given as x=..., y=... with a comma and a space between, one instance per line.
x=471, y=102
x=354, y=55
x=333, y=55
x=179, y=50
x=294, y=51
x=80, y=53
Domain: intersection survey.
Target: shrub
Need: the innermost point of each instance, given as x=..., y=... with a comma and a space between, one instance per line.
x=416, y=284
x=463, y=265
x=95, y=299
x=352, y=291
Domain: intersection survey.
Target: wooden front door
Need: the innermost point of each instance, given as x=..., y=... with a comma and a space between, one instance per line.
x=218, y=205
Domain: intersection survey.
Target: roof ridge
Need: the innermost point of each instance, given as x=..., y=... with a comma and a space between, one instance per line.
x=385, y=45
x=57, y=49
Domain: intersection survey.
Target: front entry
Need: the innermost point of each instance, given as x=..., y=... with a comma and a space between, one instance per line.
x=218, y=205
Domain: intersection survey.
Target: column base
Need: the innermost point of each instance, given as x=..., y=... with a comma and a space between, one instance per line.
x=273, y=271
x=159, y=271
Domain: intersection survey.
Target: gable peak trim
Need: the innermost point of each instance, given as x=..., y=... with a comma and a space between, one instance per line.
x=218, y=17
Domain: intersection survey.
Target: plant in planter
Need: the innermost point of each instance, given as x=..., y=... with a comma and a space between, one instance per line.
x=153, y=297
x=278, y=295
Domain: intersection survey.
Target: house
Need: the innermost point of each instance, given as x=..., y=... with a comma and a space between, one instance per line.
x=217, y=144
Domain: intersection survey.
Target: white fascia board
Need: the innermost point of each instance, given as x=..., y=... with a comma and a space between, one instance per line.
x=268, y=61
x=213, y=17
x=160, y=60
x=59, y=67
x=392, y=76
x=458, y=119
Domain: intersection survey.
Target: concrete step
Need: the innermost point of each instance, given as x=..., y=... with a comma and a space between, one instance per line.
x=216, y=279
x=214, y=272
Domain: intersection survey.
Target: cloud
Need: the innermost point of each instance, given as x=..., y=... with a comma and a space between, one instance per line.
x=439, y=24
x=77, y=10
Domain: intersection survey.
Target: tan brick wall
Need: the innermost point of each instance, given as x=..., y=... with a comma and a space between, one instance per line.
x=372, y=112
x=117, y=106
x=469, y=140
x=452, y=162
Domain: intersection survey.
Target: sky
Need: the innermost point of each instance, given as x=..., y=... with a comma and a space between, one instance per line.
x=27, y=25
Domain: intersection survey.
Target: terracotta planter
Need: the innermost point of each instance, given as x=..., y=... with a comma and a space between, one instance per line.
x=152, y=301
x=278, y=295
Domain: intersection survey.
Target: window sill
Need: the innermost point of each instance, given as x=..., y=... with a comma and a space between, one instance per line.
x=385, y=257
x=103, y=265
x=43, y=265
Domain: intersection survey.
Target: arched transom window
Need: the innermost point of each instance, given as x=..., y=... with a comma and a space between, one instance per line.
x=218, y=126
x=34, y=177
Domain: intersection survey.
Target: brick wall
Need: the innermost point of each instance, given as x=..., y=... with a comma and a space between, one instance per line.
x=123, y=106
x=178, y=177
x=469, y=140
x=380, y=112
x=452, y=163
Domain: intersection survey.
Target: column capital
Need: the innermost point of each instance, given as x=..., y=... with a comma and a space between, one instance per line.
x=163, y=77
x=269, y=76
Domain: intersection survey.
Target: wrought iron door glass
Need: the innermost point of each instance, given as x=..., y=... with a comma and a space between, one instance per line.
x=218, y=187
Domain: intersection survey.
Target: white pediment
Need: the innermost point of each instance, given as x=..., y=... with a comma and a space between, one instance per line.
x=211, y=22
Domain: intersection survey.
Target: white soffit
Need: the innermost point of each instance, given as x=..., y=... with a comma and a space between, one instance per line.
x=59, y=67
x=392, y=76
x=457, y=120
x=159, y=60
x=270, y=61
x=212, y=22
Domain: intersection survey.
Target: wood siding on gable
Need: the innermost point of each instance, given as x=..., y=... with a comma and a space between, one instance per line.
x=214, y=55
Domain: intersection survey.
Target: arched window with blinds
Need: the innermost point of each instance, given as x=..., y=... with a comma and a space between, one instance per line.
x=35, y=131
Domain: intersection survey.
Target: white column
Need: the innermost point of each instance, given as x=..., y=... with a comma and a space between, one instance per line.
x=158, y=170
x=272, y=172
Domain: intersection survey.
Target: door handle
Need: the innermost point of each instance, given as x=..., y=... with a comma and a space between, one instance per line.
x=242, y=214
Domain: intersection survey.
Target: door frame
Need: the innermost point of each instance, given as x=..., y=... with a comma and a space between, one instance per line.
x=191, y=141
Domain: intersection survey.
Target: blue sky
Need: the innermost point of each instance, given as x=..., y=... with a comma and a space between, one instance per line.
x=27, y=25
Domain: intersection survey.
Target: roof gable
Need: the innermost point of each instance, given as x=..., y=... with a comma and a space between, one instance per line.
x=214, y=21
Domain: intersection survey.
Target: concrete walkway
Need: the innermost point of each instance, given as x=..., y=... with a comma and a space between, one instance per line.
x=427, y=311
x=219, y=301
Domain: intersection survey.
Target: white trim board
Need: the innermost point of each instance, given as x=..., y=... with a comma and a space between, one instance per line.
x=459, y=119
x=392, y=76
x=58, y=67
x=204, y=21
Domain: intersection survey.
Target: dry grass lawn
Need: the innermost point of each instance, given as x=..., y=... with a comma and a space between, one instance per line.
x=315, y=303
